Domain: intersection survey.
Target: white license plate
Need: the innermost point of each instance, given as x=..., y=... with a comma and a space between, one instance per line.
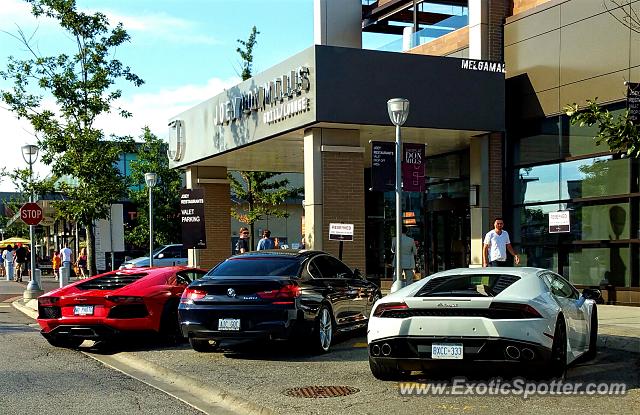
x=446, y=351
x=229, y=324
x=83, y=310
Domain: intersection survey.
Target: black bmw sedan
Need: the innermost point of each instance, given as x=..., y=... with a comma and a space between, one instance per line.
x=275, y=294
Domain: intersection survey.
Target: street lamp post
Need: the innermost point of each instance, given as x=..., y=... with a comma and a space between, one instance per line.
x=30, y=154
x=150, y=179
x=398, y=112
x=2, y=232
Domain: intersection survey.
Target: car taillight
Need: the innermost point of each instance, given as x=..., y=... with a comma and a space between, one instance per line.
x=518, y=310
x=48, y=301
x=124, y=299
x=379, y=311
x=286, y=292
x=191, y=294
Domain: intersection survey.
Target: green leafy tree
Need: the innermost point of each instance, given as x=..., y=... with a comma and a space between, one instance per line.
x=258, y=194
x=81, y=83
x=152, y=158
x=618, y=132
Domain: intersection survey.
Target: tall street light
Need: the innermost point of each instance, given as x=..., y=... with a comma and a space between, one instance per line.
x=30, y=154
x=150, y=179
x=398, y=112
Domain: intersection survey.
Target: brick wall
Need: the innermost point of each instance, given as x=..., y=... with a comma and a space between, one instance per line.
x=343, y=201
x=498, y=11
x=217, y=208
x=496, y=172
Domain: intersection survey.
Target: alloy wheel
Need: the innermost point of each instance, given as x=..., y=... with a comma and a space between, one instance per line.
x=325, y=329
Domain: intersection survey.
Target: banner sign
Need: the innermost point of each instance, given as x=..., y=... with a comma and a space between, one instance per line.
x=413, y=166
x=383, y=166
x=633, y=102
x=341, y=232
x=559, y=222
x=192, y=218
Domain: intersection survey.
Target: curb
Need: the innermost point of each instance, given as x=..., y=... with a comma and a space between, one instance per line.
x=204, y=398
x=20, y=306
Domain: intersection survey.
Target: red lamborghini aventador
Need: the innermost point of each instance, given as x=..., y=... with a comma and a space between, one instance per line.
x=98, y=308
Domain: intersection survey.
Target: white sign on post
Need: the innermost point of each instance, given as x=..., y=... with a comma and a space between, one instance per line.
x=341, y=232
x=109, y=236
x=559, y=222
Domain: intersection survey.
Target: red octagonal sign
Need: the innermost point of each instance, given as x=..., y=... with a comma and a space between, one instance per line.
x=31, y=213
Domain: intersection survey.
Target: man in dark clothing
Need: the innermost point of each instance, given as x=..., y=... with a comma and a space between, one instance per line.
x=21, y=261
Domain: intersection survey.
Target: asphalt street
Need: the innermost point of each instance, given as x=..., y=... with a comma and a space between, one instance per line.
x=37, y=378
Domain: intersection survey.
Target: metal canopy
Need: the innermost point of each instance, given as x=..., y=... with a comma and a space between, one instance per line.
x=393, y=16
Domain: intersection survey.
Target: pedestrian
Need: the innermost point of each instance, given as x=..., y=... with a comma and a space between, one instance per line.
x=55, y=264
x=7, y=257
x=407, y=261
x=66, y=255
x=20, y=260
x=81, y=263
x=496, y=245
x=276, y=243
x=265, y=242
x=242, y=245
x=1, y=266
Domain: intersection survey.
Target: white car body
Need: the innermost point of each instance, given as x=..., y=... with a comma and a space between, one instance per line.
x=521, y=310
x=164, y=256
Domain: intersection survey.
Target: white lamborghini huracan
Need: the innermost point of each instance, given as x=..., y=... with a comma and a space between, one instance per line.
x=514, y=315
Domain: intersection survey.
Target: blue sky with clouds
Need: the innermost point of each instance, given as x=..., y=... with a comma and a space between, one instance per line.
x=183, y=49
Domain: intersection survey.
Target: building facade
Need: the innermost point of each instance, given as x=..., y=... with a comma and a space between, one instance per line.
x=487, y=81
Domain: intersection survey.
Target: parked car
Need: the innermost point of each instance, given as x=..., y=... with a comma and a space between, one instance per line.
x=275, y=294
x=98, y=308
x=164, y=256
x=525, y=316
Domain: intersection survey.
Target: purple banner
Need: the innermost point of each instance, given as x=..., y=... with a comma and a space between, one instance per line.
x=413, y=166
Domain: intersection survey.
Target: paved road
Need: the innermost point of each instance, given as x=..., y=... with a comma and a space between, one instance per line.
x=37, y=378
x=261, y=374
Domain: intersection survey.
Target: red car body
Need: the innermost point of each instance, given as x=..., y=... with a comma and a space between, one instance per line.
x=100, y=307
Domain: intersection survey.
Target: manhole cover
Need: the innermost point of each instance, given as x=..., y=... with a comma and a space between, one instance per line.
x=320, y=391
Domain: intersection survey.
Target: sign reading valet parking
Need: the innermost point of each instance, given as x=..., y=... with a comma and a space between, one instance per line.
x=192, y=218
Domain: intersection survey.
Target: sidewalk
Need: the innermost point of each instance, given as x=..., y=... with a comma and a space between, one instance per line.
x=618, y=328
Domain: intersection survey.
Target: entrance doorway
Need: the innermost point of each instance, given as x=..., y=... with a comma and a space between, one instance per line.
x=449, y=242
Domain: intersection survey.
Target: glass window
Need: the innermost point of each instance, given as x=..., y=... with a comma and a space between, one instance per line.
x=533, y=225
x=600, y=222
x=593, y=266
x=599, y=176
x=561, y=288
x=311, y=270
x=536, y=142
x=332, y=268
x=256, y=267
x=579, y=141
x=537, y=184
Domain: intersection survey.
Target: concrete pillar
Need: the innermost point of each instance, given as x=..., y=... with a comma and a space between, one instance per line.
x=486, y=29
x=338, y=23
x=334, y=190
x=217, y=211
x=486, y=171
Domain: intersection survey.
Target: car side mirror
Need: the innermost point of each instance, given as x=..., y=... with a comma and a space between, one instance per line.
x=591, y=294
x=160, y=256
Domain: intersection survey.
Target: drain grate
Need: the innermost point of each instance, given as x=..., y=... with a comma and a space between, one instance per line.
x=320, y=391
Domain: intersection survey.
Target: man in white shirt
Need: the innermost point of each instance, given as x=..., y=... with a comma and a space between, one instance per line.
x=407, y=254
x=66, y=253
x=496, y=245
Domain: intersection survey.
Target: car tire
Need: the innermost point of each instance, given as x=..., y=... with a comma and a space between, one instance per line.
x=593, y=336
x=557, y=365
x=323, y=330
x=204, y=345
x=382, y=372
x=65, y=342
x=169, y=323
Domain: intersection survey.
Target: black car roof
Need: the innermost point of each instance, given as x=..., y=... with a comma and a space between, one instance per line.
x=291, y=253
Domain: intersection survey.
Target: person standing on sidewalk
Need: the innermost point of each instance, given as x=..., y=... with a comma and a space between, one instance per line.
x=20, y=259
x=56, y=261
x=242, y=245
x=407, y=254
x=66, y=255
x=81, y=263
x=495, y=247
x=7, y=256
x=265, y=242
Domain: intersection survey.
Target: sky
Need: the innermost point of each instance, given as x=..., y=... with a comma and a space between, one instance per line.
x=185, y=50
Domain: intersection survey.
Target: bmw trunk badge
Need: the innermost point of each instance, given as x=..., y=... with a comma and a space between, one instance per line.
x=231, y=292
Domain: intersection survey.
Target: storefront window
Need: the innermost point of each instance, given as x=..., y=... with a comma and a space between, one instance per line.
x=608, y=222
x=598, y=176
x=533, y=221
x=596, y=266
x=537, y=184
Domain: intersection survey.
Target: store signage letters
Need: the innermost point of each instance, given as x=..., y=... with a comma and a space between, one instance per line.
x=269, y=98
x=483, y=66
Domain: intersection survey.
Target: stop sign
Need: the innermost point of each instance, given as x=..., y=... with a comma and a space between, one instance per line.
x=31, y=213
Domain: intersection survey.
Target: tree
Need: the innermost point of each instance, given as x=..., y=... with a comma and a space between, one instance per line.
x=82, y=85
x=152, y=157
x=258, y=194
x=620, y=134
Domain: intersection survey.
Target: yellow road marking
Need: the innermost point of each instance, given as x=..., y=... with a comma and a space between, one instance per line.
x=5, y=305
x=360, y=344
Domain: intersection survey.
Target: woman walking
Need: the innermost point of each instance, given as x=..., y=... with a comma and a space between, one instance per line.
x=82, y=263
x=7, y=257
